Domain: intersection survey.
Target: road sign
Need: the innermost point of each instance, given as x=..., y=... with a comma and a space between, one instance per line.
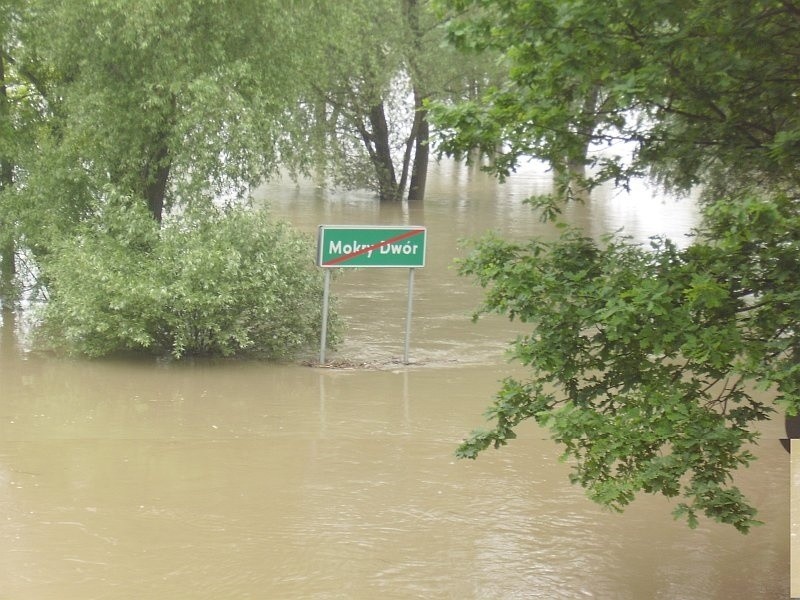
x=371, y=246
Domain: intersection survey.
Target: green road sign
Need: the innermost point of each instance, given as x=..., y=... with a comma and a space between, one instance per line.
x=375, y=246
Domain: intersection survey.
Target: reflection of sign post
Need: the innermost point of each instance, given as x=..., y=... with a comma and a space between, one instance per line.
x=352, y=246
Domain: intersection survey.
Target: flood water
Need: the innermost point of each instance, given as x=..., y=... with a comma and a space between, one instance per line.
x=239, y=479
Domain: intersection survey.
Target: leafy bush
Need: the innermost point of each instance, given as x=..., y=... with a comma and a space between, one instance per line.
x=209, y=283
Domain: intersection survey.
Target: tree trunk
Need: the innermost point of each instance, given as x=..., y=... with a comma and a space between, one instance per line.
x=421, y=128
x=6, y=168
x=155, y=177
x=320, y=141
x=8, y=268
x=571, y=169
x=382, y=155
x=158, y=163
x=8, y=272
x=419, y=170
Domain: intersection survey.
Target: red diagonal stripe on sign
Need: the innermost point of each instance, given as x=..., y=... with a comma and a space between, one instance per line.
x=360, y=251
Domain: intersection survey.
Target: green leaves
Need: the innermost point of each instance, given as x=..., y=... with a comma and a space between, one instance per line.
x=121, y=107
x=647, y=354
x=690, y=86
x=637, y=359
x=211, y=284
x=170, y=104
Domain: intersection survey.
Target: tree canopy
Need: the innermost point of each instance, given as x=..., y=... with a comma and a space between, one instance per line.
x=376, y=68
x=646, y=360
x=182, y=108
x=690, y=85
x=168, y=102
x=176, y=110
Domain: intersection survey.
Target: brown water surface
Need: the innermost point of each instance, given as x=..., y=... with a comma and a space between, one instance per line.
x=237, y=479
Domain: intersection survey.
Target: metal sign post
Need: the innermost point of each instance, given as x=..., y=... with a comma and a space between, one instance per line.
x=353, y=246
x=325, y=301
x=408, y=315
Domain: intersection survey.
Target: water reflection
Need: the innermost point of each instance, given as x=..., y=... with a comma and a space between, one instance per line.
x=641, y=213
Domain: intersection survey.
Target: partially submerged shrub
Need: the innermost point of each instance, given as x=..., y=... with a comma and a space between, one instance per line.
x=213, y=283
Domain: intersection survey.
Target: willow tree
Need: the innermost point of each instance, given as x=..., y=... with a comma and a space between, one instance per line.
x=171, y=101
x=363, y=119
x=7, y=153
x=21, y=120
x=171, y=110
x=7, y=261
x=563, y=142
x=376, y=69
x=644, y=360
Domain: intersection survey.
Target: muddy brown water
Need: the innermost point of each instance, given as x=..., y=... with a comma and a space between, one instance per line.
x=238, y=479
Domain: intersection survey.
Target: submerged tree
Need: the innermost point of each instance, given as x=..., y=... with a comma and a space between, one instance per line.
x=645, y=360
x=176, y=111
x=368, y=133
x=210, y=284
x=7, y=261
x=381, y=63
x=171, y=103
x=515, y=116
x=7, y=155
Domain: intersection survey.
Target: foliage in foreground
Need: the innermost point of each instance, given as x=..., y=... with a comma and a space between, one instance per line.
x=213, y=283
x=643, y=359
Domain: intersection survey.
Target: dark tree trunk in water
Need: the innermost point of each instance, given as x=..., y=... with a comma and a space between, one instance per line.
x=420, y=131
x=381, y=155
x=8, y=272
x=319, y=140
x=416, y=154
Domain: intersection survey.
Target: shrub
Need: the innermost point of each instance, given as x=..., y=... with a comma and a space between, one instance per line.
x=209, y=283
